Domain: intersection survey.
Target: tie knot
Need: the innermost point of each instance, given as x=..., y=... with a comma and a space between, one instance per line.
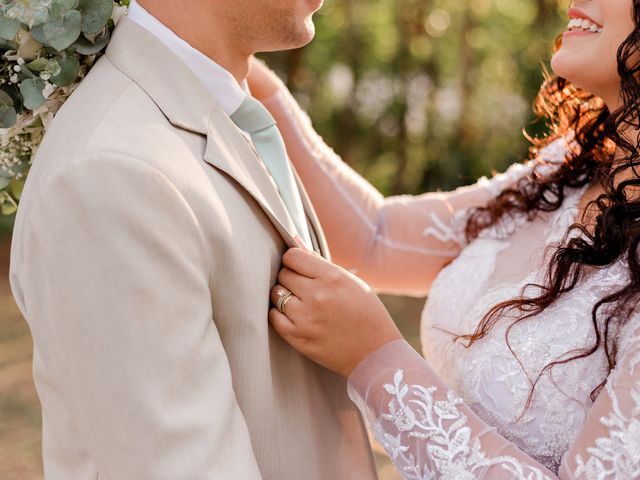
x=252, y=116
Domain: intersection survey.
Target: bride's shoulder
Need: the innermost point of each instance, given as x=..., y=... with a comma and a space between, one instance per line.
x=555, y=150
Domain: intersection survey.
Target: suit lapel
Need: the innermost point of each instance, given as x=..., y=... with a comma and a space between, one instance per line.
x=188, y=104
x=229, y=152
x=314, y=223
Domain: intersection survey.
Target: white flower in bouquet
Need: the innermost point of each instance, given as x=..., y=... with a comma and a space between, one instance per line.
x=46, y=48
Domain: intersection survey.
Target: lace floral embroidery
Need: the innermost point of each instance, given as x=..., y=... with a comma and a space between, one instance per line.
x=618, y=455
x=488, y=377
x=449, y=452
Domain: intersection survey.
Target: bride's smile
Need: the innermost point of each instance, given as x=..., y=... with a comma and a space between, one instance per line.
x=588, y=52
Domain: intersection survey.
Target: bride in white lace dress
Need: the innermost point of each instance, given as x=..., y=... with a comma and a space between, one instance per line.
x=530, y=334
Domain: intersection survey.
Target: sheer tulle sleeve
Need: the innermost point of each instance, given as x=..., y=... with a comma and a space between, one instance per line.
x=430, y=433
x=608, y=447
x=397, y=244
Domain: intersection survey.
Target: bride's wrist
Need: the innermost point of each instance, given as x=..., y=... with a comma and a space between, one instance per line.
x=377, y=360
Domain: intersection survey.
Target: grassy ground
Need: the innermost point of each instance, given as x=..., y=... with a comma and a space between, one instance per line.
x=19, y=406
x=20, y=420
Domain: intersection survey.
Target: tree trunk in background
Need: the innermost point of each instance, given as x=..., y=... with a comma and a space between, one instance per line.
x=463, y=134
x=402, y=66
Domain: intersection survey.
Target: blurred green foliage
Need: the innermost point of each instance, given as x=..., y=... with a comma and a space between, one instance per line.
x=6, y=224
x=422, y=95
x=425, y=94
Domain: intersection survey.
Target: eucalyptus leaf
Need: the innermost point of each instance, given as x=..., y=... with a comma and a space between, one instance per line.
x=86, y=47
x=5, y=98
x=4, y=183
x=27, y=72
x=8, y=44
x=28, y=47
x=70, y=67
x=60, y=7
x=9, y=27
x=50, y=66
x=16, y=188
x=95, y=15
x=38, y=65
x=53, y=68
x=61, y=32
x=37, y=32
x=13, y=91
x=31, y=90
x=9, y=208
x=8, y=116
x=31, y=12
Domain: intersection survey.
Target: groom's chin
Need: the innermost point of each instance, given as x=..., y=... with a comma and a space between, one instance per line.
x=309, y=32
x=301, y=33
x=296, y=36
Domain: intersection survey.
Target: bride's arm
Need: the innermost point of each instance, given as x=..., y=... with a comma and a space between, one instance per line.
x=397, y=244
x=428, y=431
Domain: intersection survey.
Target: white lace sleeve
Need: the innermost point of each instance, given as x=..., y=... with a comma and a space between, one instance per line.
x=608, y=446
x=430, y=433
x=397, y=244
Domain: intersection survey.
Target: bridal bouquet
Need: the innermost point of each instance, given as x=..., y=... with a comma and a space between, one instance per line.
x=47, y=47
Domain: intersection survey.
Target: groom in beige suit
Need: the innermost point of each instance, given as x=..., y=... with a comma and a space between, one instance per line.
x=149, y=235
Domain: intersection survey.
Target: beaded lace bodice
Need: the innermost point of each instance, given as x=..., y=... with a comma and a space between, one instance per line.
x=493, y=381
x=460, y=414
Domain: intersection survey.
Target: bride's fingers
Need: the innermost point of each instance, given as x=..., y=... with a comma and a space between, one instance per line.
x=282, y=325
x=304, y=262
x=297, y=284
x=292, y=308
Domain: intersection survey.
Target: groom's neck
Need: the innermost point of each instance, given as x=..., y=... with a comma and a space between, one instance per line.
x=205, y=31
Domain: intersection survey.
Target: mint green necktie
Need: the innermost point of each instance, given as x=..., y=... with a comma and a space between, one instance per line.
x=255, y=119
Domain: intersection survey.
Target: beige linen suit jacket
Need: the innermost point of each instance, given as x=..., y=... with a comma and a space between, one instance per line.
x=148, y=238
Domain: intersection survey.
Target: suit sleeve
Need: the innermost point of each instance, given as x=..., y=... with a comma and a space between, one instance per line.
x=115, y=286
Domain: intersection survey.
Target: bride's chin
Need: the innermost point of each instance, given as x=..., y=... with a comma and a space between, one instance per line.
x=601, y=82
x=565, y=65
x=560, y=64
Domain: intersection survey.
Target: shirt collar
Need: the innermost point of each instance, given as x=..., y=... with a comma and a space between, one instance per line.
x=222, y=85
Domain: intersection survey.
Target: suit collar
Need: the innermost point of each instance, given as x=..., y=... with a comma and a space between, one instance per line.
x=183, y=99
x=188, y=104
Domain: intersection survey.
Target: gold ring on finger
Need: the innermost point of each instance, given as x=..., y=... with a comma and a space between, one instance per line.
x=280, y=292
x=283, y=300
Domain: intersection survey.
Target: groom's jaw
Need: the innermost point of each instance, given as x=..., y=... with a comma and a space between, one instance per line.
x=231, y=31
x=279, y=24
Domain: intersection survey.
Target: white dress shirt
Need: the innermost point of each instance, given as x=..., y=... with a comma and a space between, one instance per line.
x=223, y=86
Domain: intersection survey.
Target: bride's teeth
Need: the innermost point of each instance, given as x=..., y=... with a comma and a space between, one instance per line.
x=583, y=24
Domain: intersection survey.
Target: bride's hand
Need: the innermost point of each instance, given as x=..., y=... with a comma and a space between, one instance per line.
x=333, y=318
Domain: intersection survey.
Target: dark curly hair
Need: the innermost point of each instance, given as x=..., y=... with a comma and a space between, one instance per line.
x=614, y=233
